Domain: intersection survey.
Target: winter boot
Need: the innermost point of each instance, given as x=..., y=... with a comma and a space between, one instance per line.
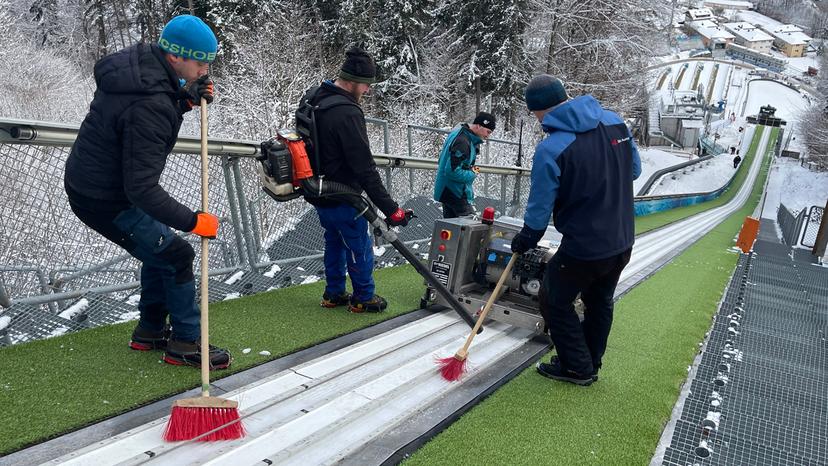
x=331, y=301
x=556, y=372
x=188, y=353
x=145, y=340
x=375, y=304
x=596, y=367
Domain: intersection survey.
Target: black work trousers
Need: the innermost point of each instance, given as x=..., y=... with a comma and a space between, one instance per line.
x=580, y=345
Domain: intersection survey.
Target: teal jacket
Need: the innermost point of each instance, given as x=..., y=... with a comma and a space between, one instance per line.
x=454, y=173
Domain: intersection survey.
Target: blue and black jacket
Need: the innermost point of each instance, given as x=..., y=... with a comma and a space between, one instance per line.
x=583, y=175
x=454, y=173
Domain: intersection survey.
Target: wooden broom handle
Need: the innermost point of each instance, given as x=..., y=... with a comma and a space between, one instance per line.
x=205, y=295
x=465, y=349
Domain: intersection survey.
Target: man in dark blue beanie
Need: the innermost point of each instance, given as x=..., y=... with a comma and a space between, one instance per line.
x=582, y=177
x=457, y=170
x=113, y=171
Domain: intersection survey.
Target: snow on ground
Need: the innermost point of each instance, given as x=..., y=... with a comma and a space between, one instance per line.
x=133, y=300
x=235, y=277
x=703, y=177
x=799, y=65
x=273, y=270
x=4, y=322
x=721, y=81
x=788, y=102
x=654, y=159
x=75, y=309
x=794, y=186
x=310, y=279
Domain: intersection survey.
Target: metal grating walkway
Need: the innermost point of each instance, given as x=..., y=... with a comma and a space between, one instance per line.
x=759, y=395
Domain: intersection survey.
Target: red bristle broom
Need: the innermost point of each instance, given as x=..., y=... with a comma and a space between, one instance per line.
x=452, y=368
x=192, y=418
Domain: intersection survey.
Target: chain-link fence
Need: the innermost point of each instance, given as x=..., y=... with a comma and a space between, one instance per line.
x=812, y=222
x=789, y=224
x=56, y=275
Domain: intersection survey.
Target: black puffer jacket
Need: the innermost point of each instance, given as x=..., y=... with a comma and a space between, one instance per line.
x=344, y=151
x=124, y=141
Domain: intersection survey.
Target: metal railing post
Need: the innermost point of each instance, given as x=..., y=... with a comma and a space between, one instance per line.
x=502, y=194
x=410, y=140
x=257, y=232
x=247, y=230
x=234, y=210
x=486, y=177
x=388, y=186
x=5, y=301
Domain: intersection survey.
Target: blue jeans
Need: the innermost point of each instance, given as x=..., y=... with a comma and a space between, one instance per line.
x=167, y=282
x=347, y=242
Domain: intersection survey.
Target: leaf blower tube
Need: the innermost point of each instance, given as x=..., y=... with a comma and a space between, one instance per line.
x=316, y=188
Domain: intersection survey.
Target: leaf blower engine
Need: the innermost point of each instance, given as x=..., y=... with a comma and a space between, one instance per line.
x=468, y=256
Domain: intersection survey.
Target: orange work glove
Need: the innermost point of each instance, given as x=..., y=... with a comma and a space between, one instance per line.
x=206, y=225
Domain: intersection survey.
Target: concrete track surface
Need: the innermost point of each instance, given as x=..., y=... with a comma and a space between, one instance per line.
x=332, y=409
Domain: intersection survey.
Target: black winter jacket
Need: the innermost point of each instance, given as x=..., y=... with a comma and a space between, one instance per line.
x=344, y=151
x=124, y=141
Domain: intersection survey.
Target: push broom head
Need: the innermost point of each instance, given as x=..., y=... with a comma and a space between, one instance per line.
x=206, y=418
x=452, y=368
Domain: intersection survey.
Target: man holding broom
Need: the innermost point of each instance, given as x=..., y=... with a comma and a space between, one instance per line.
x=113, y=171
x=582, y=176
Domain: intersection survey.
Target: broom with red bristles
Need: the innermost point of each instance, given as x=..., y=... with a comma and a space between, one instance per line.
x=205, y=418
x=452, y=368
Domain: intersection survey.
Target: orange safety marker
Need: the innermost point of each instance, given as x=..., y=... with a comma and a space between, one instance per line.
x=748, y=234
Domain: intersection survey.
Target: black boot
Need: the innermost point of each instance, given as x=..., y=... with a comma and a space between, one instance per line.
x=556, y=372
x=331, y=301
x=188, y=353
x=375, y=304
x=145, y=340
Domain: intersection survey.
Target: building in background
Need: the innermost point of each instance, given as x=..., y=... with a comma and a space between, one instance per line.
x=728, y=5
x=790, y=39
x=698, y=14
x=750, y=36
x=713, y=36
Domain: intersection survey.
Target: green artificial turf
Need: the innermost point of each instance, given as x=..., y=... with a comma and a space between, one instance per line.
x=618, y=420
x=646, y=223
x=49, y=387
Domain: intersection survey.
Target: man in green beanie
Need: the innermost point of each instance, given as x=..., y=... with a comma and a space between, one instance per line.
x=113, y=171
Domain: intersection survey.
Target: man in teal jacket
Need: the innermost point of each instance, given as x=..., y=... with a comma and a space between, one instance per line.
x=457, y=170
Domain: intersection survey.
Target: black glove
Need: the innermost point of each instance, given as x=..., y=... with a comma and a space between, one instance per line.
x=201, y=87
x=399, y=218
x=527, y=239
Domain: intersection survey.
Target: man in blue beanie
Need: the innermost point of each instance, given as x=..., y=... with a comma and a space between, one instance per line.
x=582, y=177
x=457, y=170
x=113, y=171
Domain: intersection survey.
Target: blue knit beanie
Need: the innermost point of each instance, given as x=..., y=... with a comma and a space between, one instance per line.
x=543, y=92
x=189, y=37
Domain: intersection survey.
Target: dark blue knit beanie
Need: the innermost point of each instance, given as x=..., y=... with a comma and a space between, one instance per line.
x=543, y=92
x=189, y=37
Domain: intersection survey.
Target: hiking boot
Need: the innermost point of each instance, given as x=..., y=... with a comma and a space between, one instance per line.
x=375, y=304
x=331, y=301
x=556, y=361
x=556, y=372
x=188, y=353
x=145, y=340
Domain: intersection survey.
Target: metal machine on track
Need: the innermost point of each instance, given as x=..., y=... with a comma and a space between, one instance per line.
x=468, y=256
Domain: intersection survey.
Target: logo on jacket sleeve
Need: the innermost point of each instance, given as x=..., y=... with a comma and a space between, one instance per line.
x=615, y=142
